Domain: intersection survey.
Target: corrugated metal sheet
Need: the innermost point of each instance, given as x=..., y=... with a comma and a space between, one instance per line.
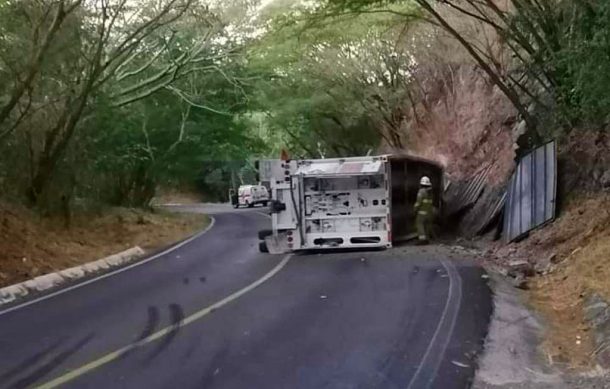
x=491, y=215
x=463, y=194
x=531, y=193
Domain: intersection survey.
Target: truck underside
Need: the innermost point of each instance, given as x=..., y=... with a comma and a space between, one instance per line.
x=359, y=202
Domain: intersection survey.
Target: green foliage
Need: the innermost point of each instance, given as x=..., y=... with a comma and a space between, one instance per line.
x=192, y=92
x=331, y=84
x=585, y=58
x=162, y=140
x=558, y=50
x=125, y=98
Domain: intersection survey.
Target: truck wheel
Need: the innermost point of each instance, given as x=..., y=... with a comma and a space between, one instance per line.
x=250, y=205
x=262, y=234
x=264, y=203
x=262, y=247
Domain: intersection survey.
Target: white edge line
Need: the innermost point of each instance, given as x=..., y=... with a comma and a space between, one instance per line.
x=447, y=265
x=111, y=273
x=440, y=324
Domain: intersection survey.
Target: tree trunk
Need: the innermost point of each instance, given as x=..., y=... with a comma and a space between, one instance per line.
x=40, y=179
x=144, y=187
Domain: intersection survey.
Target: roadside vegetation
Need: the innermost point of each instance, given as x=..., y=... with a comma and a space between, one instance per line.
x=103, y=101
x=108, y=103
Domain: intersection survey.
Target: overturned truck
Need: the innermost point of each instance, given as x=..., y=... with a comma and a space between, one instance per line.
x=358, y=202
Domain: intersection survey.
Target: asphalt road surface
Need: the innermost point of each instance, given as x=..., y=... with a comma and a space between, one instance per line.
x=215, y=313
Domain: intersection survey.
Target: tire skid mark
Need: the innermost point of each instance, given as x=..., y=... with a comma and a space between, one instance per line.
x=28, y=362
x=177, y=320
x=50, y=365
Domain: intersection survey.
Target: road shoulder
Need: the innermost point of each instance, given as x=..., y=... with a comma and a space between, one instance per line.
x=512, y=358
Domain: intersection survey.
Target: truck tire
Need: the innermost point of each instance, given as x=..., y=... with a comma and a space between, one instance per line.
x=262, y=247
x=262, y=234
x=249, y=204
x=264, y=203
x=276, y=206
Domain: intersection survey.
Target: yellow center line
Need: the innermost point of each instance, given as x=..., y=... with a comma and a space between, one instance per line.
x=84, y=369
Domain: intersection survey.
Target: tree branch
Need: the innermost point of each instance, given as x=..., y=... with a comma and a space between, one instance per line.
x=37, y=58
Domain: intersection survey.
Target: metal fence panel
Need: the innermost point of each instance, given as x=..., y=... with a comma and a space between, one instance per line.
x=531, y=193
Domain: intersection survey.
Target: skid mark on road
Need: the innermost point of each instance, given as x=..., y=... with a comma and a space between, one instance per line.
x=51, y=364
x=163, y=332
x=151, y=323
x=28, y=362
x=177, y=317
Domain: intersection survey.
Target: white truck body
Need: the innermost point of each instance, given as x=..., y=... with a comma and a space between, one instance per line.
x=357, y=202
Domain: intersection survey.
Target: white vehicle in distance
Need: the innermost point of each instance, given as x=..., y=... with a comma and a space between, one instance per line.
x=250, y=195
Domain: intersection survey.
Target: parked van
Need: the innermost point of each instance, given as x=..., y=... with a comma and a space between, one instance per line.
x=250, y=195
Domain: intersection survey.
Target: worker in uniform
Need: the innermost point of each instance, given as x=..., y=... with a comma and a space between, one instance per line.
x=233, y=198
x=425, y=210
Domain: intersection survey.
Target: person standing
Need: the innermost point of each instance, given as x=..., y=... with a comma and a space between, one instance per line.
x=424, y=207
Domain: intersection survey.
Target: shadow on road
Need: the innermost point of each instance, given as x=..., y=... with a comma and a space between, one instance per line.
x=47, y=367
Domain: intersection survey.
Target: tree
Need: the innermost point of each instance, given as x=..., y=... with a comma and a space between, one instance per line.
x=185, y=133
x=332, y=90
x=127, y=52
x=549, y=45
x=111, y=69
x=45, y=22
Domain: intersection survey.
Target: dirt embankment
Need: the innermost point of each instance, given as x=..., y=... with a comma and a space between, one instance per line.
x=572, y=260
x=572, y=254
x=31, y=245
x=466, y=124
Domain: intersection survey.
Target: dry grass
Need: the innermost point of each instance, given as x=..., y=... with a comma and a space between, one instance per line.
x=581, y=239
x=592, y=265
x=466, y=128
x=579, y=243
x=32, y=246
x=568, y=341
x=174, y=196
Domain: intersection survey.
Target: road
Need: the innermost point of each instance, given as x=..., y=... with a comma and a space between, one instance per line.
x=215, y=313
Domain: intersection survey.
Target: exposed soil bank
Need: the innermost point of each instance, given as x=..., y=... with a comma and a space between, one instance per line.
x=571, y=259
x=31, y=246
